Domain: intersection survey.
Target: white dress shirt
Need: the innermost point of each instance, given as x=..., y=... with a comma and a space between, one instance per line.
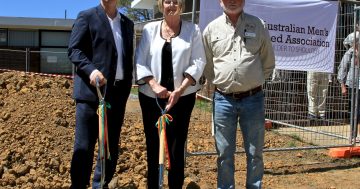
x=116, y=30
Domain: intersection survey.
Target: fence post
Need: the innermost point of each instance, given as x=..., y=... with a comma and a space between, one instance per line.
x=193, y=21
x=193, y=11
x=355, y=93
x=27, y=58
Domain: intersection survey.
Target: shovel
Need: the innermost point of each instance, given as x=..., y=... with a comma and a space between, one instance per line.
x=103, y=143
x=163, y=120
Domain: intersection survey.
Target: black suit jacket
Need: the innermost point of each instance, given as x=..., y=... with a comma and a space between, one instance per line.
x=92, y=46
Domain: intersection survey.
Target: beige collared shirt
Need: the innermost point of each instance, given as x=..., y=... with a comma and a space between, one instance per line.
x=238, y=58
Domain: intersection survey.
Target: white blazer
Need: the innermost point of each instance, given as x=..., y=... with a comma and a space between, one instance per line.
x=188, y=56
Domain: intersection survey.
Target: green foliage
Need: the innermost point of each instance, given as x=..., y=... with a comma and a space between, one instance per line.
x=137, y=15
x=291, y=144
x=296, y=137
x=203, y=105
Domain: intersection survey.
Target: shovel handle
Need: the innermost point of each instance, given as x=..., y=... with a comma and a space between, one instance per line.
x=162, y=148
x=161, y=157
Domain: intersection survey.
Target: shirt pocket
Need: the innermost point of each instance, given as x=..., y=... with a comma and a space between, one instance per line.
x=219, y=42
x=252, y=44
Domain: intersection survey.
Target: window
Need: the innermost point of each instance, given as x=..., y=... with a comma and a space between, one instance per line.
x=55, y=38
x=23, y=38
x=3, y=37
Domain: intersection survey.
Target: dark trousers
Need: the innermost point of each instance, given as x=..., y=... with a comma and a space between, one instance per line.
x=176, y=134
x=86, y=135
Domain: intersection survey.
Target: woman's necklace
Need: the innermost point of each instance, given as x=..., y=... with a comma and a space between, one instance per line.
x=170, y=34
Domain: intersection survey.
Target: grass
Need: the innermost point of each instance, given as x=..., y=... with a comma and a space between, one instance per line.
x=203, y=105
x=292, y=144
x=296, y=137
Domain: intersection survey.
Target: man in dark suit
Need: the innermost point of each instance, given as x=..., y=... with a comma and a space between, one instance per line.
x=100, y=46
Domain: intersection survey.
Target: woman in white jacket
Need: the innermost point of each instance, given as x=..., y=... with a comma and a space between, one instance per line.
x=169, y=60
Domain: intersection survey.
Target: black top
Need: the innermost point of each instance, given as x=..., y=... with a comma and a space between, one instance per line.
x=167, y=76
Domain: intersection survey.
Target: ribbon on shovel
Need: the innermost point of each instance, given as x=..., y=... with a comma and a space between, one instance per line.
x=104, y=152
x=163, y=120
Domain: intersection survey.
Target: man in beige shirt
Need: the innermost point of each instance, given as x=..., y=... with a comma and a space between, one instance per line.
x=239, y=58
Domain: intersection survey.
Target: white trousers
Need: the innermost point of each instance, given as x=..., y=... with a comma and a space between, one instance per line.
x=317, y=89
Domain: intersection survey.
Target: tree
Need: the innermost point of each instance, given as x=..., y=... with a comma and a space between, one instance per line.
x=137, y=15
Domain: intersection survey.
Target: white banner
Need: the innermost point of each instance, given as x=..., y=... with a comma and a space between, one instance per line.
x=303, y=32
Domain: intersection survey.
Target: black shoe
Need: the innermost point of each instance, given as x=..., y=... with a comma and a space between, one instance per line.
x=312, y=117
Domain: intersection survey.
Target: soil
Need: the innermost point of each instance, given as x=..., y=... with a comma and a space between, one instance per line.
x=37, y=118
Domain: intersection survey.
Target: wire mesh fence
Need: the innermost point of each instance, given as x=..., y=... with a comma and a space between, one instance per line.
x=44, y=60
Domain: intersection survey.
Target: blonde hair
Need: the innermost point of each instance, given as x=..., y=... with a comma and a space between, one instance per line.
x=181, y=5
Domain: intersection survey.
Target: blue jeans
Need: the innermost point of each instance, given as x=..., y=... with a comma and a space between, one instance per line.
x=249, y=113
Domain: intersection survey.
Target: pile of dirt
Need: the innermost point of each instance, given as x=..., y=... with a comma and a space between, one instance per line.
x=37, y=119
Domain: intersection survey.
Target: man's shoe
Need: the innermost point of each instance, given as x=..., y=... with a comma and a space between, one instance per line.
x=310, y=116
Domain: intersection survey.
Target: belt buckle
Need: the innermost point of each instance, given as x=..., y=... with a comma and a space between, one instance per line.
x=240, y=95
x=233, y=95
x=237, y=96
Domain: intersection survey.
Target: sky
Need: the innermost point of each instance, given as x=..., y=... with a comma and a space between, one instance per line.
x=45, y=8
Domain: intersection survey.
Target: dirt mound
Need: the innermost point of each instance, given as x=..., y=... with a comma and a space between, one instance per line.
x=37, y=118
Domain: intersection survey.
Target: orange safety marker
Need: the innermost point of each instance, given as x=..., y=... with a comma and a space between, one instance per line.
x=344, y=152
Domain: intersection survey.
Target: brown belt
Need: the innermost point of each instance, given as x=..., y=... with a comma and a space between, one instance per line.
x=240, y=95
